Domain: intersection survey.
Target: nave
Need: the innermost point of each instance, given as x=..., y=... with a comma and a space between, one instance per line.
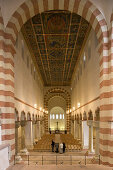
x=56, y=81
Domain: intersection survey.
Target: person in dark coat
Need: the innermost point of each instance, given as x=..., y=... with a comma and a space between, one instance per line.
x=52, y=145
x=64, y=147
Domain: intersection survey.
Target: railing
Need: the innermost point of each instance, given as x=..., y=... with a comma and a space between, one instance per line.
x=59, y=159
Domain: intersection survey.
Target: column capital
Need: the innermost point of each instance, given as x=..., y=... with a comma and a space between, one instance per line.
x=90, y=122
x=17, y=124
x=23, y=123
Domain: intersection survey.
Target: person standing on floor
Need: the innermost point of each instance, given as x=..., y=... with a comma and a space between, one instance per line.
x=61, y=147
x=52, y=145
x=64, y=147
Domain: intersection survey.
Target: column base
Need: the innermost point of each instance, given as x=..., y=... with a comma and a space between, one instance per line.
x=24, y=151
x=85, y=147
x=18, y=159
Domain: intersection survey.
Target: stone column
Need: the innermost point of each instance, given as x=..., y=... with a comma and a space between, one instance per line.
x=38, y=130
x=23, y=122
x=90, y=124
x=76, y=130
x=33, y=130
x=17, y=125
x=96, y=125
x=80, y=130
x=85, y=135
x=29, y=134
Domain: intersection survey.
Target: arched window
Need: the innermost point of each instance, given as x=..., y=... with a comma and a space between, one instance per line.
x=56, y=116
x=50, y=116
x=63, y=116
x=60, y=116
x=84, y=59
x=53, y=116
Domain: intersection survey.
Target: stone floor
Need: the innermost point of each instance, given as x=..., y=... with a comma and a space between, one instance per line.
x=66, y=161
x=59, y=167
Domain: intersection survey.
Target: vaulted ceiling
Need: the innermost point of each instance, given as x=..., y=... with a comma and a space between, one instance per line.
x=55, y=38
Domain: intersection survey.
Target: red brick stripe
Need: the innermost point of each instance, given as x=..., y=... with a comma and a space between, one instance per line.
x=8, y=126
x=12, y=26
x=106, y=107
x=26, y=10
x=45, y=4
x=106, y=153
x=66, y=4
x=106, y=83
x=19, y=18
x=86, y=7
x=107, y=70
x=106, y=142
x=106, y=163
x=6, y=104
x=6, y=60
x=35, y=5
x=106, y=131
x=56, y=4
x=8, y=116
x=8, y=137
x=6, y=82
x=7, y=36
x=76, y=6
x=6, y=93
x=106, y=95
x=7, y=71
x=7, y=48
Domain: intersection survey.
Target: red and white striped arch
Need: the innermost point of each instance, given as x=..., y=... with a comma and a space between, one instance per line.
x=106, y=129
x=27, y=10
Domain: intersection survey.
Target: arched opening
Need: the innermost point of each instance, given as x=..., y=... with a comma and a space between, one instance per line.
x=94, y=19
x=57, y=119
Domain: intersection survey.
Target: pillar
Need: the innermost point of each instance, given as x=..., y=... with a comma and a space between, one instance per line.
x=23, y=122
x=38, y=130
x=17, y=125
x=85, y=135
x=90, y=124
x=33, y=130
x=96, y=125
x=80, y=130
x=29, y=134
x=76, y=130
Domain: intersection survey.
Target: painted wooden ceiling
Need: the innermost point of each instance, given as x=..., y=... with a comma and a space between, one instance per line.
x=55, y=38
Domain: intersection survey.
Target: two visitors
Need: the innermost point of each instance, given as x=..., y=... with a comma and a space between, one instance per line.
x=59, y=148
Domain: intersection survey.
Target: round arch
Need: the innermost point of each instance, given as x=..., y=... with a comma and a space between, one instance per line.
x=83, y=8
x=57, y=115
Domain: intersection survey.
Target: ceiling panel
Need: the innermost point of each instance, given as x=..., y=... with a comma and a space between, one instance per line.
x=56, y=38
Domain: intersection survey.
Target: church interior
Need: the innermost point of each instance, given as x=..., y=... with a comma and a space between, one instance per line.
x=56, y=83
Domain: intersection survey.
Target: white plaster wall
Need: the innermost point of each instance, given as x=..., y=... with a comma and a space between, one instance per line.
x=4, y=159
x=87, y=87
x=9, y=7
x=27, y=88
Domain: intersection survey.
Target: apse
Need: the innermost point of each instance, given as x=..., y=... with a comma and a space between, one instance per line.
x=57, y=119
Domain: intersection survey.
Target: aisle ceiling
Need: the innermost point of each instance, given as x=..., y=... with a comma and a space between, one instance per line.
x=55, y=38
